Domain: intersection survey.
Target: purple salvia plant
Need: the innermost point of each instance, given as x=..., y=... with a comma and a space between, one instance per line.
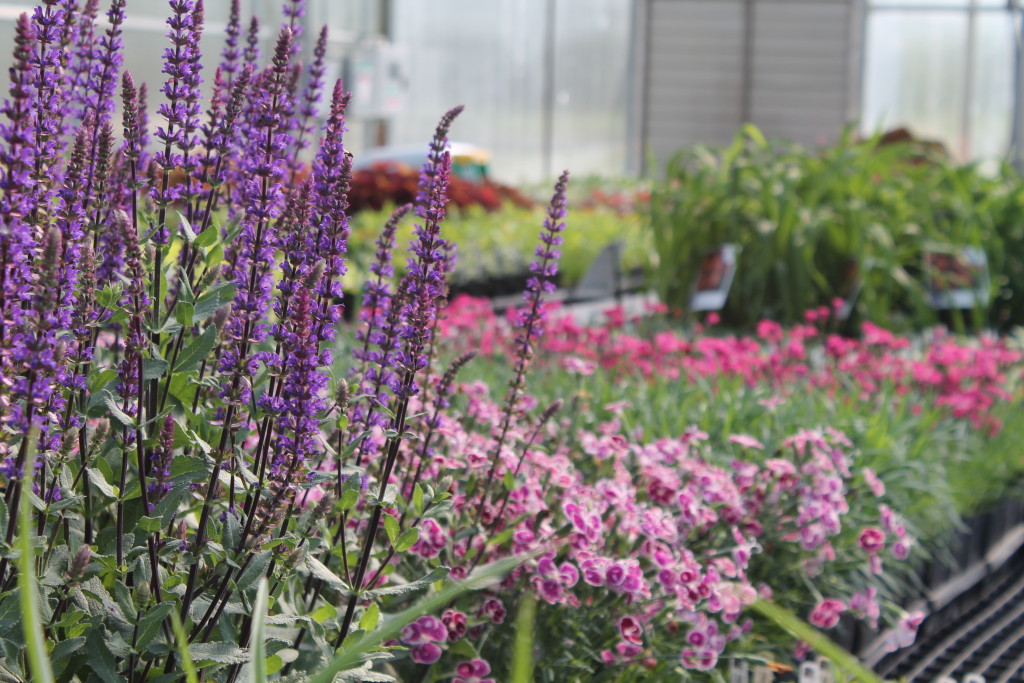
x=48, y=57
x=70, y=218
x=420, y=288
x=81, y=57
x=221, y=146
x=251, y=54
x=530, y=321
x=308, y=101
x=378, y=334
x=424, y=281
x=17, y=154
x=332, y=173
x=303, y=381
x=100, y=89
x=136, y=301
x=264, y=200
x=180, y=111
x=266, y=143
x=293, y=11
x=105, y=67
x=160, y=463
x=230, y=56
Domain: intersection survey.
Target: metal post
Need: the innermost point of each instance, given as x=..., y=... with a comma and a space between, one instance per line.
x=548, y=95
x=968, y=92
x=1016, y=152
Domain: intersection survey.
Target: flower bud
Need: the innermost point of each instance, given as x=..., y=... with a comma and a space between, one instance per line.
x=80, y=562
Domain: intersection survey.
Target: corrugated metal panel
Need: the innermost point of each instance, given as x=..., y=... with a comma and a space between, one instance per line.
x=800, y=69
x=802, y=65
x=695, y=73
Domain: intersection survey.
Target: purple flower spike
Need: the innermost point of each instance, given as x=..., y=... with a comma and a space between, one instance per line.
x=424, y=281
x=229, y=65
x=181, y=110
x=332, y=173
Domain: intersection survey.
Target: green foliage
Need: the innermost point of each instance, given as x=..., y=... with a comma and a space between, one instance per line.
x=800, y=629
x=502, y=243
x=32, y=624
x=805, y=220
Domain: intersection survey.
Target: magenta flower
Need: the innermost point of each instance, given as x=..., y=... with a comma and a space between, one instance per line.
x=826, y=614
x=872, y=540
x=473, y=671
x=428, y=653
x=631, y=630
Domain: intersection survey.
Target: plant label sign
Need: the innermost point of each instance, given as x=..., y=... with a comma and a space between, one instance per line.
x=714, y=279
x=956, y=277
x=740, y=672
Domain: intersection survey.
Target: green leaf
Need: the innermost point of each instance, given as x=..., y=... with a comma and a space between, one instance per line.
x=258, y=642
x=407, y=540
x=212, y=299
x=370, y=617
x=206, y=238
x=254, y=571
x=101, y=660
x=150, y=525
x=186, y=229
x=323, y=613
x=352, y=650
x=817, y=640
x=221, y=652
x=153, y=368
x=320, y=571
x=184, y=312
x=391, y=527
x=110, y=296
x=181, y=641
x=149, y=624
x=232, y=532
x=417, y=500
x=115, y=410
x=185, y=293
x=97, y=479
x=99, y=379
x=32, y=624
x=199, y=349
x=348, y=499
x=522, y=646
x=509, y=480
x=435, y=574
x=188, y=469
x=63, y=650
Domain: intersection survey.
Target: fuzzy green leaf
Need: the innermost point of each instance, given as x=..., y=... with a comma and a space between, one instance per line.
x=407, y=540
x=193, y=355
x=320, y=571
x=221, y=652
x=391, y=527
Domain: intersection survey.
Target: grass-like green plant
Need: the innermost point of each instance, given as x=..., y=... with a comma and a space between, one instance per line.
x=497, y=244
x=812, y=223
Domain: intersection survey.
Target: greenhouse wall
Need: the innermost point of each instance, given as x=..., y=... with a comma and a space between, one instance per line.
x=791, y=67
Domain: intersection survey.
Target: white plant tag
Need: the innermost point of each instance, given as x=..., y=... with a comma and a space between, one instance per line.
x=809, y=673
x=825, y=671
x=762, y=674
x=739, y=672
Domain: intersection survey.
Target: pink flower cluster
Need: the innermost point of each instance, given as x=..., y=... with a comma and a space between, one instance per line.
x=963, y=379
x=674, y=540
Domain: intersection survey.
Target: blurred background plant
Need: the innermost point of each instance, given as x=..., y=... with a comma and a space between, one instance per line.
x=813, y=225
